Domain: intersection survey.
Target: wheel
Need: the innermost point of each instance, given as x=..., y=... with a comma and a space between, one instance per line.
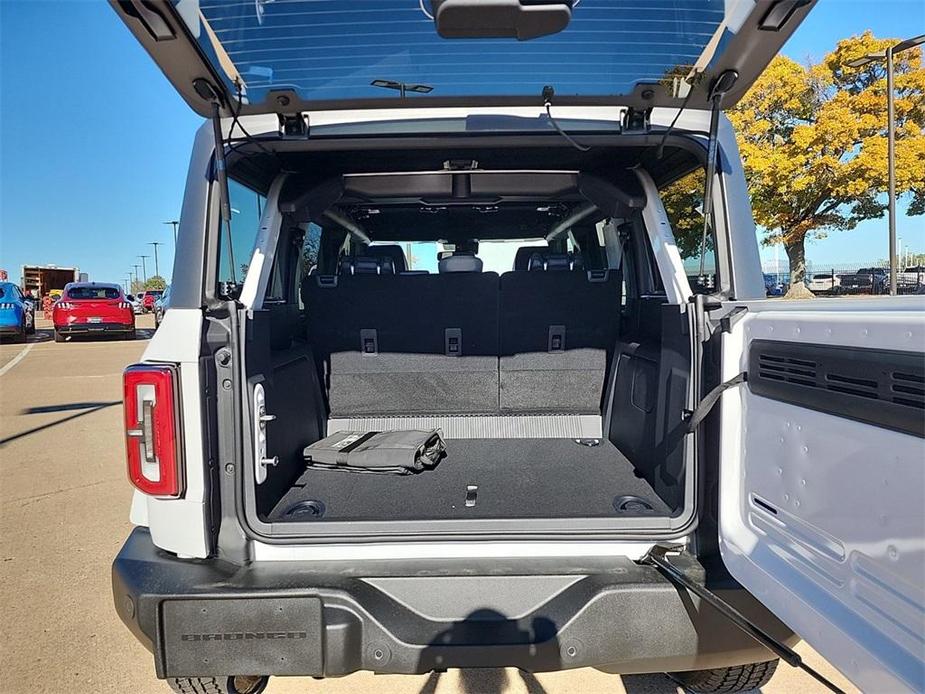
x=130, y=335
x=20, y=337
x=59, y=337
x=30, y=328
x=238, y=684
x=742, y=678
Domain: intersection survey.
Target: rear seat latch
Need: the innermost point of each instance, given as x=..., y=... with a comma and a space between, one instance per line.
x=369, y=342
x=556, y=338
x=452, y=338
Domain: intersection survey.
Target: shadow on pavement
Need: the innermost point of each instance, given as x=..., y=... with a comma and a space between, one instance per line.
x=87, y=407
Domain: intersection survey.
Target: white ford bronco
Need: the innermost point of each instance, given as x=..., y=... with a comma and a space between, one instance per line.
x=450, y=379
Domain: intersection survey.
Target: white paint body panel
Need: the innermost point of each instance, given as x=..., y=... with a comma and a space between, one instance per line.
x=843, y=561
x=448, y=550
x=179, y=525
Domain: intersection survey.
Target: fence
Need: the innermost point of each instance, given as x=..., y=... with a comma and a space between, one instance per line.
x=836, y=279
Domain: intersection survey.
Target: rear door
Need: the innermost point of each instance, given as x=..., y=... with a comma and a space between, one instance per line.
x=263, y=56
x=822, y=483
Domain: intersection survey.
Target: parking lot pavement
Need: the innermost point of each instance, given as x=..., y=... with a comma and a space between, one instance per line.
x=64, y=506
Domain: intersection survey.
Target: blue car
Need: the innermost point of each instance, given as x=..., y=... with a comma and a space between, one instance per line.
x=17, y=313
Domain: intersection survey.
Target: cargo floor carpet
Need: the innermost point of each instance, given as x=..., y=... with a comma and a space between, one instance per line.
x=516, y=478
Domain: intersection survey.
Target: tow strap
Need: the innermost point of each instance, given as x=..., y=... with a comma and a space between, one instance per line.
x=657, y=558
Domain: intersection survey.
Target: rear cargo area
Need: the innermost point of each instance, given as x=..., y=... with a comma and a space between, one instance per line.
x=483, y=478
x=559, y=378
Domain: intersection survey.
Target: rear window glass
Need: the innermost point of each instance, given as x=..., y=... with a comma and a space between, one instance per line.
x=368, y=49
x=82, y=293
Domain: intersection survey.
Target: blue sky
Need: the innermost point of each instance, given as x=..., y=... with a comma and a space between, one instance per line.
x=88, y=185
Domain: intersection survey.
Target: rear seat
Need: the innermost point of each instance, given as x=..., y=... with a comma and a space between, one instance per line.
x=559, y=326
x=532, y=341
x=405, y=344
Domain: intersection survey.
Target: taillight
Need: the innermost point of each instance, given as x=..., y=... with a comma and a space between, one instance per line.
x=3, y=306
x=124, y=304
x=152, y=429
x=64, y=305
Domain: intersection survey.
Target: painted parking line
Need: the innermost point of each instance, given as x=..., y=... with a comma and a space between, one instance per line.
x=18, y=358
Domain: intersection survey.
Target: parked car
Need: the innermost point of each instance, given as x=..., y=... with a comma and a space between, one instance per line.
x=824, y=283
x=911, y=279
x=137, y=307
x=160, y=308
x=613, y=463
x=93, y=308
x=867, y=280
x=17, y=313
x=148, y=297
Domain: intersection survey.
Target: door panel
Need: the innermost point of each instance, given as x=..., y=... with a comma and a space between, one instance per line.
x=822, y=505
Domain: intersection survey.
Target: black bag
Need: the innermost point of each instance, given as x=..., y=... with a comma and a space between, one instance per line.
x=390, y=452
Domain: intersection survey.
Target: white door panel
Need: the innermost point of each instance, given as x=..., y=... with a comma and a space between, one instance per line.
x=822, y=518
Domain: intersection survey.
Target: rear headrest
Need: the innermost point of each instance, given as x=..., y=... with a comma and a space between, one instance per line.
x=522, y=258
x=392, y=251
x=460, y=262
x=365, y=265
x=554, y=261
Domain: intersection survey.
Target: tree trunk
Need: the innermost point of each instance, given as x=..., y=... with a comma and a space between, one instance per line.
x=796, y=255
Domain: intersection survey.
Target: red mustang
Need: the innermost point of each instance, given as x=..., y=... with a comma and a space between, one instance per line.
x=148, y=298
x=92, y=308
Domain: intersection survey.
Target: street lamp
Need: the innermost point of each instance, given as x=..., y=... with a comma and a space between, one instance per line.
x=891, y=136
x=144, y=270
x=155, y=244
x=175, y=223
x=136, y=273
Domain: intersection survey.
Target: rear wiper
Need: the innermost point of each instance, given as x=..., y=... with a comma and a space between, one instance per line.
x=548, y=93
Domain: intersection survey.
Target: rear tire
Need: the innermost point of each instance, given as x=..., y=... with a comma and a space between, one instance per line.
x=130, y=335
x=741, y=678
x=238, y=684
x=59, y=337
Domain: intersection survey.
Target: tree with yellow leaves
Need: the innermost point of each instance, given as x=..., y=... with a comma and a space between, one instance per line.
x=813, y=141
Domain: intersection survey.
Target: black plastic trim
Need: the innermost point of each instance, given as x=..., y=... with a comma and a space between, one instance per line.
x=884, y=388
x=415, y=616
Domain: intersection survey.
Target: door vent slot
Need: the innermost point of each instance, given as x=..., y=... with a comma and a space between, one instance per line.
x=843, y=381
x=908, y=389
x=861, y=387
x=781, y=368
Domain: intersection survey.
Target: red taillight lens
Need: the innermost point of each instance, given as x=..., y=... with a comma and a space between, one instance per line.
x=152, y=428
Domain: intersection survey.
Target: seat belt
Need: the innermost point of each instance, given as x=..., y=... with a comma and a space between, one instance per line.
x=657, y=558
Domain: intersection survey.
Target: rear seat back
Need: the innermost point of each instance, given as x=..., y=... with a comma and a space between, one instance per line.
x=406, y=344
x=558, y=329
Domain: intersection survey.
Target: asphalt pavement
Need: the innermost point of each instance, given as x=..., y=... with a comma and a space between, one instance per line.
x=64, y=503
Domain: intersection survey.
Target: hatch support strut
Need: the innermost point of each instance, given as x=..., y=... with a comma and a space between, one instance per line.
x=721, y=85
x=657, y=558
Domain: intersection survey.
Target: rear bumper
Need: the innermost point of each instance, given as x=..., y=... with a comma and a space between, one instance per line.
x=9, y=329
x=203, y=618
x=94, y=328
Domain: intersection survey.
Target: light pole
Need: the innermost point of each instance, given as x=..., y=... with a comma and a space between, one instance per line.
x=175, y=223
x=136, y=273
x=144, y=270
x=891, y=137
x=155, y=244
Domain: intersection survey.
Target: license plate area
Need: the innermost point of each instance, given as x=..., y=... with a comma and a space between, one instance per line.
x=234, y=636
x=94, y=319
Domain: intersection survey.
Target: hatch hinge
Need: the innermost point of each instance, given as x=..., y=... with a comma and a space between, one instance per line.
x=636, y=120
x=293, y=125
x=658, y=558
